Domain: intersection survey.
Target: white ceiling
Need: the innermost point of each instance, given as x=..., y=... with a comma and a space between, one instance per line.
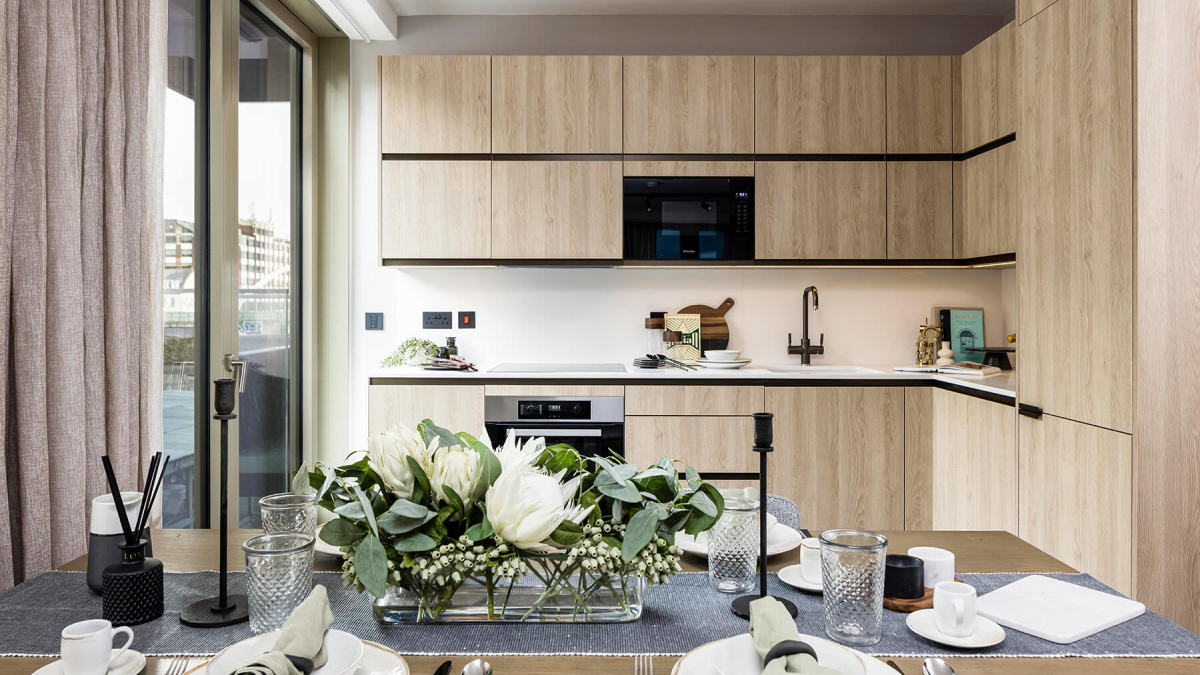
x=692, y=7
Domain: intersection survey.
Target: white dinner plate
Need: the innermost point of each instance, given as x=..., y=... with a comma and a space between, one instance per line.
x=376, y=660
x=792, y=576
x=322, y=546
x=129, y=663
x=702, y=660
x=721, y=365
x=987, y=632
x=343, y=649
x=780, y=539
x=736, y=656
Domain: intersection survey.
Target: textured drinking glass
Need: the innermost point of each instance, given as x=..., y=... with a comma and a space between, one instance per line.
x=733, y=547
x=279, y=576
x=289, y=512
x=852, y=568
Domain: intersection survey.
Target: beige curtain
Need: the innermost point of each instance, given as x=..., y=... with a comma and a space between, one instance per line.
x=78, y=317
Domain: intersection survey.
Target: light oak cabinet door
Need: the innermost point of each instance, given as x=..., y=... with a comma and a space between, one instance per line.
x=820, y=210
x=457, y=407
x=435, y=104
x=556, y=104
x=689, y=104
x=710, y=444
x=820, y=104
x=1075, y=228
x=989, y=89
x=1076, y=496
x=919, y=103
x=990, y=203
x=920, y=210
x=839, y=454
x=960, y=462
x=556, y=210
x=1026, y=9
x=435, y=209
x=686, y=400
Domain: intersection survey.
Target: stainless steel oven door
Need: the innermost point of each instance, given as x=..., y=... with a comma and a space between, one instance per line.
x=600, y=440
x=593, y=425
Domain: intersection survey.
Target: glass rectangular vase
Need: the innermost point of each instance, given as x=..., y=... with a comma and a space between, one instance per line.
x=597, y=600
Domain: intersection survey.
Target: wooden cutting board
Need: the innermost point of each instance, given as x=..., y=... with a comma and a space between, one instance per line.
x=714, y=331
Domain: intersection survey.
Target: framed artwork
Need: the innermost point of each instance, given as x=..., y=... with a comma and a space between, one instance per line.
x=962, y=327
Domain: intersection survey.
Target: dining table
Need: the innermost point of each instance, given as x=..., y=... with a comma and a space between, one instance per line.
x=975, y=552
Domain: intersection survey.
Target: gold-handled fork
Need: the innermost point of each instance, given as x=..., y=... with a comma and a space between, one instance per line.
x=178, y=665
x=643, y=664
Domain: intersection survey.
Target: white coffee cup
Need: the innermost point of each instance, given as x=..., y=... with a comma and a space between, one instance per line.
x=954, y=608
x=939, y=564
x=810, y=560
x=87, y=647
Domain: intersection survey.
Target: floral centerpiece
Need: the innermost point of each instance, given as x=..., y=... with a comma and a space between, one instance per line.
x=439, y=526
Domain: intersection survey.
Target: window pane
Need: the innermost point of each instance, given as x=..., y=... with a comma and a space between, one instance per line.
x=268, y=223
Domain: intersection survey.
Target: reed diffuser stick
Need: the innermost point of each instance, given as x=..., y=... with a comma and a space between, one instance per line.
x=118, y=502
x=146, y=487
x=157, y=483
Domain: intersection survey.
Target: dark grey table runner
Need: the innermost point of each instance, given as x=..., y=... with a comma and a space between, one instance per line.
x=677, y=618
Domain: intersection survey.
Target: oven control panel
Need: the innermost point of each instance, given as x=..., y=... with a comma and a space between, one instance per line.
x=554, y=410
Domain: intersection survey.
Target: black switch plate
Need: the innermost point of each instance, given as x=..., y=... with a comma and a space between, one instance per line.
x=466, y=319
x=437, y=320
x=374, y=320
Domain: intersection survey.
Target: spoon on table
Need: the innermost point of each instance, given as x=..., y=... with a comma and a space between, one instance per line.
x=936, y=666
x=477, y=667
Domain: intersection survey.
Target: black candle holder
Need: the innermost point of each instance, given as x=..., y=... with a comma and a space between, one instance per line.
x=133, y=588
x=225, y=609
x=764, y=435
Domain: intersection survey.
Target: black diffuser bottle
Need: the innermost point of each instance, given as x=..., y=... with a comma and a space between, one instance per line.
x=133, y=588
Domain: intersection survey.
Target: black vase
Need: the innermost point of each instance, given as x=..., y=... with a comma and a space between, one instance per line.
x=133, y=588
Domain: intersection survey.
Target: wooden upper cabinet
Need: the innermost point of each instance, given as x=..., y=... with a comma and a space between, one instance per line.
x=919, y=102
x=820, y=104
x=435, y=209
x=556, y=104
x=557, y=209
x=435, y=104
x=989, y=89
x=820, y=210
x=920, y=201
x=689, y=104
x=989, y=197
x=1075, y=228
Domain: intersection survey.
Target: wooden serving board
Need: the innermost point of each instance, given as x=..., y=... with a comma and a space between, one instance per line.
x=910, y=605
x=714, y=331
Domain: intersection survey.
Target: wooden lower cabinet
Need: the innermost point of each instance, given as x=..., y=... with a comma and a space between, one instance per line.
x=1076, y=496
x=710, y=444
x=688, y=400
x=960, y=462
x=839, y=454
x=456, y=407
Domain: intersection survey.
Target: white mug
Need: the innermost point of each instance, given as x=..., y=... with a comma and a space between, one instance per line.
x=87, y=647
x=954, y=608
x=939, y=564
x=810, y=560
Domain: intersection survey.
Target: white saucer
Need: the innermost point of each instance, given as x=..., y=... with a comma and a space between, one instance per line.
x=322, y=546
x=721, y=365
x=780, y=539
x=987, y=632
x=130, y=663
x=792, y=576
x=344, y=651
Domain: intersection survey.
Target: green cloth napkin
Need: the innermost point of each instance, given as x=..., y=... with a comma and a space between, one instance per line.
x=770, y=624
x=303, y=634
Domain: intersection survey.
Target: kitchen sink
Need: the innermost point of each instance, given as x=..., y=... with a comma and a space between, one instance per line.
x=817, y=371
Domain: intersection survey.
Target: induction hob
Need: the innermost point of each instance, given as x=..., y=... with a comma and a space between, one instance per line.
x=558, y=368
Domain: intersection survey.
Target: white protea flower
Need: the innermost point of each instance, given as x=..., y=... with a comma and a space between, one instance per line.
x=525, y=504
x=459, y=469
x=388, y=453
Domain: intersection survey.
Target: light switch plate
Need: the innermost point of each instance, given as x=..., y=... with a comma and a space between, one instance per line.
x=466, y=319
x=374, y=320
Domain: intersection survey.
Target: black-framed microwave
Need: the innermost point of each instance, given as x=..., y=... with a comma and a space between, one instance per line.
x=689, y=218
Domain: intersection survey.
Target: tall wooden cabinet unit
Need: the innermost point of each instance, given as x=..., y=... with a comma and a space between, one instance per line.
x=689, y=104
x=556, y=209
x=556, y=104
x=435, y=104
x=820, y=104
x=989, y=198
x=839, y=454
x=820, y=210
x=1075, y=233
x=960, y=462
x=989, y=89
x=1076, y=495
x=458, y=407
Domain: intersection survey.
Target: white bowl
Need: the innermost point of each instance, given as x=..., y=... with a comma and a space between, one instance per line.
x=723, y=354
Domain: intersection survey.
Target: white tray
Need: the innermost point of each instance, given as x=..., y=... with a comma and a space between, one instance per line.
x=1056, y=610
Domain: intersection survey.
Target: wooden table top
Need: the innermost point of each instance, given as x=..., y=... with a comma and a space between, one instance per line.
x=195, y=550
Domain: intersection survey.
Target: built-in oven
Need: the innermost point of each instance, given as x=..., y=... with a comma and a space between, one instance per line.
x=689, y=218
x=593, y=425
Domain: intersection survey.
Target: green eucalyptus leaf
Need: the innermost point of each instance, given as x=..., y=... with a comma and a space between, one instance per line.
x=393, y=523
x=626, y=492
x=415, y=542
x=430, y=431
x=693, y=478
x=641, y=530
x=368, y=509
x=489, y=463
x=481, y=531
x=617, y=508
x=675, y=521
x=702, y=503
x=406, y=509
x=370, y=564
x=353, y=510
x=341, y=532
x=454, y=500
x=421, y=481
x=468, y=439
x=567, y=533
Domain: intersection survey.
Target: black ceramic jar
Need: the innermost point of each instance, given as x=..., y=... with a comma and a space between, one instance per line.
x=133, y=588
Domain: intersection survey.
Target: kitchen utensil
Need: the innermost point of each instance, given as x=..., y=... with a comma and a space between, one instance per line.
x=643, y=664
x=939, y=564
x=344, y=652
x=1056, y=610
x=443, y=669
x=722, y=354
x=672, y=362
x=894, y=666
x=477, y=667
x=714, y=330
x=936, y=666
x=904, y=577
x=954, y=605
x=178, y=665
x=987, y=633
x=793, y=576
x=852, y=577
